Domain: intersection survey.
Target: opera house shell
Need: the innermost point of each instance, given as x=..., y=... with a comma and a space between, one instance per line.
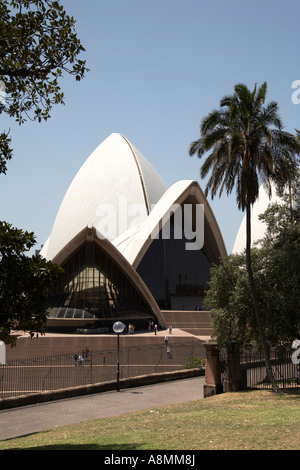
x=120, y=237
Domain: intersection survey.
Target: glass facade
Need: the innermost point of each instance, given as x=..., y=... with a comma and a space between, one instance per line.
x=176, y=277
x=94, y=287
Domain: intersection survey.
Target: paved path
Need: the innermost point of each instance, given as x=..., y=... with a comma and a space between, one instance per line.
x=41, y=417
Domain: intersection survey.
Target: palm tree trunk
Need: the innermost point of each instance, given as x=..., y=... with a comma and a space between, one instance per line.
x=291, y=201
x=255, y=301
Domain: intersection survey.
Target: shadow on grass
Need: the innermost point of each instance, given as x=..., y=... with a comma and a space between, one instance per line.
x=109, y=447
x=290, y=392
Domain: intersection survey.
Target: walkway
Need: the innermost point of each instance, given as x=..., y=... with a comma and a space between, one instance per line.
x=41, y=417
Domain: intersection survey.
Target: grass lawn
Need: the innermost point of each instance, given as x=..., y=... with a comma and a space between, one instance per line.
x=252, y=420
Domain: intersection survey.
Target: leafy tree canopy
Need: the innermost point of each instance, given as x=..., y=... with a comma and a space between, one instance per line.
x=276, y=271
x=38, y=42
x=25, y=283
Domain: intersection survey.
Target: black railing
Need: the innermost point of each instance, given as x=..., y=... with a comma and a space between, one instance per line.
x=254, y=373
x=49, y=373
x=285, y=371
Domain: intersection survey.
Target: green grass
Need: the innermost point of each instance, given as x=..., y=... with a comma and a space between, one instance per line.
x=252, y=420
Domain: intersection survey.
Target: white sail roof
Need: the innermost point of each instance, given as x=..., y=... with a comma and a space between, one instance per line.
x=120, y=194
x=115, y=180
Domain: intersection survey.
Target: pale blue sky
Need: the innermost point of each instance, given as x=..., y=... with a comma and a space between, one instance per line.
x=157, y=68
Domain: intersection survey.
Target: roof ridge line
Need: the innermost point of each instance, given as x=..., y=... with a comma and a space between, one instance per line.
x=140, y=174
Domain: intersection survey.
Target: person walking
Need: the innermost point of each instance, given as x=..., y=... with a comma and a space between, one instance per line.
x=80, y=360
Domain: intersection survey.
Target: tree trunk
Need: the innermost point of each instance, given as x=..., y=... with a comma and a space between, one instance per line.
x=255, y=301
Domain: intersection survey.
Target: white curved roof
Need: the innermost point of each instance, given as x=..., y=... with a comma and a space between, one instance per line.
x=119, y=193
x=257, y=226
x=136, y=241
x=114, y=178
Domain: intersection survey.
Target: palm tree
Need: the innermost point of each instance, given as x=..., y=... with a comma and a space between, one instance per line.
x=248, y=147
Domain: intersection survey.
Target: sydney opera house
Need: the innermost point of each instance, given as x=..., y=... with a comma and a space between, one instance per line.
x=129, y=245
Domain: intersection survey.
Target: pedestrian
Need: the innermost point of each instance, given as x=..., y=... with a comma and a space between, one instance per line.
x=75, y=359
x=86, y=352
x=155, y=329
x=169, y=352
x=170, y=329
x=80, y=360
x=166, y=339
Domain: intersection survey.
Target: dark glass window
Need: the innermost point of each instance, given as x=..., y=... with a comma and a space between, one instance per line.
x=176, y=277
x=93, y=286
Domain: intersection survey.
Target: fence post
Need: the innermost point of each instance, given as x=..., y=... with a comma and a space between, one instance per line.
x=233, y=377
x=213, y=385
x=2, y=352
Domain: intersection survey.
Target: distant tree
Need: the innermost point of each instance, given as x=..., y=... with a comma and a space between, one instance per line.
x=248, y=146
x=276, y=272
x=230, y=302
x=280, y=249
x=38, y=43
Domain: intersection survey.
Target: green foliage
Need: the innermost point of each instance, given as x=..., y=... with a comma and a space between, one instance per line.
x=230, y=299
x=38, y=43
x=195, y=363
x=25, y=283
x=5, y=151
x=247, y=146
x=276, y=273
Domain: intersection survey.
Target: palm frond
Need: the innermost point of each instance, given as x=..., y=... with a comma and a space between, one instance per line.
x=261, y=94
x=247, y=145
x=210, y=121
x=197, y=147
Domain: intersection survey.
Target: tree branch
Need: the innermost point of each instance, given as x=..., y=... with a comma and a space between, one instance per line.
x=23, y=72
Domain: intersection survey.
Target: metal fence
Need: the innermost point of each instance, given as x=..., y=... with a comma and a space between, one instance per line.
x=285, y=371
x=254, y=372
x=49, y=373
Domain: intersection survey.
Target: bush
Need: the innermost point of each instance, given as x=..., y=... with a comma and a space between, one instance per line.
x=194, y=363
